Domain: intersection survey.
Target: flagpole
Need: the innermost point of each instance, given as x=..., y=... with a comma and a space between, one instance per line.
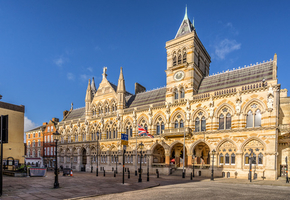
x=136, y=151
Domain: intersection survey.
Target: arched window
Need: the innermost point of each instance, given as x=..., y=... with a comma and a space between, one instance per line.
x=258, y=118
x=221, y=159
x=176, y=124
x=260, y=159
x=181, y=93
x=174, y=59
x=227, y=159
x=246, y=158
x=229, y=121
x=107, y=134
x=203, y=124
x=76, y=138
x=181, y=125
x=250, y=119
x=254, y=159
x=233, y=159
x=131, y=131
x=162, y=126
x=179, y=58
x=221, y=122
x=175, y=94
x=184, y=56
x=197, y=124
x=157, y=128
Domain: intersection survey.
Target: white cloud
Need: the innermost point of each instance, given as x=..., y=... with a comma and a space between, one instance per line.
x=225, y=47
x=28, y=124
x=84, y=77
x=59, y=62
x=70, y=76
x=90, y=69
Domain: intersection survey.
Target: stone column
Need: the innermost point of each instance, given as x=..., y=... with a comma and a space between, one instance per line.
x=167, y=157
x=78, y=166
x=239, y=161
x=189, y=160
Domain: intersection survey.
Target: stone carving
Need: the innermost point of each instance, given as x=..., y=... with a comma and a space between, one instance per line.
x=211, y=106
x=104, y=72
x=102, y=123
x=188, y=110
x=87, y=126
x=238, y=102
x=167, y=112
x=150, y=116
x=134, y=118
x=270, y=103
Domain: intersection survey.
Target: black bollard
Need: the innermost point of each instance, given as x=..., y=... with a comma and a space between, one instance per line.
x=112, y=169
x=91, y=169
x=147, y=176
x=128, y=174
x=114, y=173
x=191, y=176
x=104, y=173
x=157, y=173
x=135, y=172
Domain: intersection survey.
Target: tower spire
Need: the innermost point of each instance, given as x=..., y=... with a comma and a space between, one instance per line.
x=186, y=26
x=121, y=82
x=121, y=91
x=89, y=92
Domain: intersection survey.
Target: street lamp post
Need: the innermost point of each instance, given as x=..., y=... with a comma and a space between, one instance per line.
x=56, y=184
x=97, y=170
x=141, y=145
x=147, y=167
x=212, y=169
x=193, y=157
x=250, y=169
x=117, y=163
x=287, y=179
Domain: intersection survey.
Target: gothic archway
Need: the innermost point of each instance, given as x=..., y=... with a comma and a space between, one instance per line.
x=201, y=154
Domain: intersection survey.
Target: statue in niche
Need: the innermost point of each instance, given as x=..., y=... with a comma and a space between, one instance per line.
x=150, y=116
x=134, y=117
x=238, y=102
x=188, y=110
x=102, y=123
x=211, y=106
x=270, y=102
x=271, y=92
x=167, y=112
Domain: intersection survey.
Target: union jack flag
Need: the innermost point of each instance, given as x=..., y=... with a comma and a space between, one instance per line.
x=143, y=131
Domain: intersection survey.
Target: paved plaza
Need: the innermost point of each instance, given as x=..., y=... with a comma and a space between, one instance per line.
x=87, y=186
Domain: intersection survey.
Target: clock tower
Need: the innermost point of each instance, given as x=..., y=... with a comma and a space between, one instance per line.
x=187, y=63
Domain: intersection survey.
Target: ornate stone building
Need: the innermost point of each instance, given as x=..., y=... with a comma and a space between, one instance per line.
x=232, y=112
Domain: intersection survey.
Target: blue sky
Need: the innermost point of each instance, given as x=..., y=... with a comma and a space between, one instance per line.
x=49, y=49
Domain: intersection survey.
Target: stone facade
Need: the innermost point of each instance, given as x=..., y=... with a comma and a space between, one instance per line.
x=232, y=113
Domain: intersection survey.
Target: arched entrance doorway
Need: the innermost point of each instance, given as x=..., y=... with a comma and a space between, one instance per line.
x=158, y=154
x=176, y=155
x=84, y=160
x=201, y=155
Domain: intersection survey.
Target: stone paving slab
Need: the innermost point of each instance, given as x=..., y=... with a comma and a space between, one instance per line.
x=84, y=184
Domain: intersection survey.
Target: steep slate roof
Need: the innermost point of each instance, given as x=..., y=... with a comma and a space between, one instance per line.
x=75, y=114
x=237, y=77
x=115, y=88
x=146, y=98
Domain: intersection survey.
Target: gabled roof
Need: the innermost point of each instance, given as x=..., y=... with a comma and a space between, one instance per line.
x=75, y=114
x=185, y=27
x=146, y=98
x=36, y=128
x=238, y=77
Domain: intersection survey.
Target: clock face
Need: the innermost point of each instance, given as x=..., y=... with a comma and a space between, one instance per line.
x=178, y=76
